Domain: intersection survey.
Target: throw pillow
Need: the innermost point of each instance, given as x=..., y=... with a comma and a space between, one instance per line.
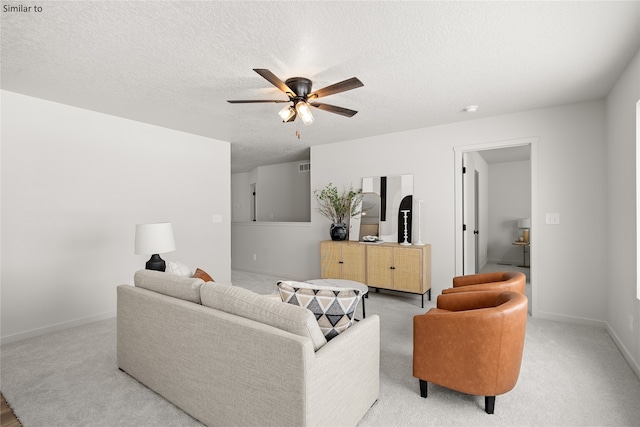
x=177, y=268
x=333, y=307
x=201, y=274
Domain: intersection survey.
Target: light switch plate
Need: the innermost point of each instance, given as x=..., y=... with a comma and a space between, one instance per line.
x=553, y=218
x=217, y=218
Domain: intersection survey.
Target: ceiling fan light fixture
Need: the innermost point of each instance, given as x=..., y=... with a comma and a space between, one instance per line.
x=287, y=113
x=298, y=89
x=305, y=112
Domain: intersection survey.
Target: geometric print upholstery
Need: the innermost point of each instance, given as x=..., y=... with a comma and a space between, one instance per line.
x=333, y=307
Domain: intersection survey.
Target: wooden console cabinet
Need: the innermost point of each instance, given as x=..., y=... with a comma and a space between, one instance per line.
x=381, y=266
x=342, y=260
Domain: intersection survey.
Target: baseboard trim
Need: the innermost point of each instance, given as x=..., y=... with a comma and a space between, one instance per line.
x=512, y=262
x=267, y=273
x=635, y=367
x=571, y=319
x=56, y=327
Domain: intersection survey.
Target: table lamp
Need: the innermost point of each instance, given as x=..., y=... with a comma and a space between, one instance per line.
x=526, y=224
x=154, y=239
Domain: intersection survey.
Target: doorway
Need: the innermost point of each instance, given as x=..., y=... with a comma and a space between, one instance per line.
x=490, y=204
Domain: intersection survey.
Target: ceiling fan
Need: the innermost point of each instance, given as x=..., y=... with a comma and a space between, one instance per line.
x=298, y=89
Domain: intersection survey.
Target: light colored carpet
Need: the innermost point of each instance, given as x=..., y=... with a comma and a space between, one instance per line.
x=572, y=375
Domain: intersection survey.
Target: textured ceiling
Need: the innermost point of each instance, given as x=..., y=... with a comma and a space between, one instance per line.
x=174, y=64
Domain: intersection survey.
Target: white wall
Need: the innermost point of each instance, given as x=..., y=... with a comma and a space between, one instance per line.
x=571, y=283
x=621, y=202
x=509, y=201
x=74, y=184
x=284, y=249
x=283, y=194
x=241, y=197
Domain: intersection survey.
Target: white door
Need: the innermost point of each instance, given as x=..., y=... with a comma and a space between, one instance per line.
x=469, y=204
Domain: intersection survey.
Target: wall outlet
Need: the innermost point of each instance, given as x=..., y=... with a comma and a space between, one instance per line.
x=255, y=258
x=631, y=323
x=553, y=218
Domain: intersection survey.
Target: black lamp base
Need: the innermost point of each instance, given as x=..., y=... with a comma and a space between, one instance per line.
x=156, y=263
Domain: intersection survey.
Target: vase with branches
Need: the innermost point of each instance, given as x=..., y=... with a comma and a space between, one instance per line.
x=338, y=207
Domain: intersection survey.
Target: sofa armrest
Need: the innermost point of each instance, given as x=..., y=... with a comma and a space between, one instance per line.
x=459, y=301
x=503, y=281
x=477, y=279
x=344, y=377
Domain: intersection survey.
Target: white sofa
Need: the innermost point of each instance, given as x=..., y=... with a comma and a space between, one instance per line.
x=230, y=357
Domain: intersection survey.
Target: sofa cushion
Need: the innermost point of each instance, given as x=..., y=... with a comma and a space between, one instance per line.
x=186, y=288
x=261, y=308
x=201, y=274
x=333, y=307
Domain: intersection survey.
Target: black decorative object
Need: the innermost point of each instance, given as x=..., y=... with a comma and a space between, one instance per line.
x=156, y=263
x=405, y=205
x=383, y=198
x=338, y=231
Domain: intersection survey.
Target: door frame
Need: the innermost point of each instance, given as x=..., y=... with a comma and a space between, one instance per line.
x=476, y=220
x=470, y=214
x=458, y=202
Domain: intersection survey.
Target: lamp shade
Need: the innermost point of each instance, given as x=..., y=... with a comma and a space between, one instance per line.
x=154, y=238
x=287, y=113
x=304, y=112
x=524, y=223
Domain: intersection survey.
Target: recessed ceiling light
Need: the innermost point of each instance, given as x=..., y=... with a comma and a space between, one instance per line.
x=471, y=109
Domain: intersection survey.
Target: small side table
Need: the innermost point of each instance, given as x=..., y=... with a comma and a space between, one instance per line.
x=524, y=245
x=343, y=283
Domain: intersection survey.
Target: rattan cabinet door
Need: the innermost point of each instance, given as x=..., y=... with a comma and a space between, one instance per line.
x=380, y=267
x=342, y=260
x=407, y=270
x=330, y=260
x=353, y=263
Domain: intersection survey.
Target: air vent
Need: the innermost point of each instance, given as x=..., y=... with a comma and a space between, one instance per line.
x=304, y=167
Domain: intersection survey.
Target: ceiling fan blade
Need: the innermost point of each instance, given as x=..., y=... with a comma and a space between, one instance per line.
x=250, y=101
x=342, y=86
x=333, y=109
x=271, y=78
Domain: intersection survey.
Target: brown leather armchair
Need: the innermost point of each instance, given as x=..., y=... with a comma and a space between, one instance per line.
x=495, y=281
x=471, y=343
